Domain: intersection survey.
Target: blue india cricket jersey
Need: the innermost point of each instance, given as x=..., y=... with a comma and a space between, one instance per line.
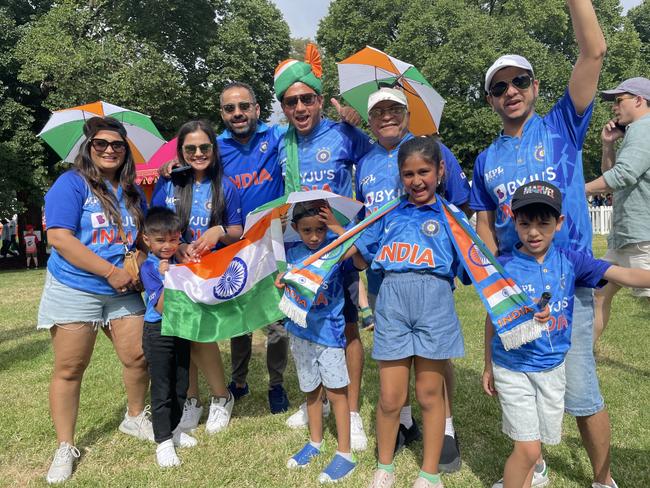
x=152, y=281
x=327, y=156
x=550, y=149
x=561, y=272
x=253, y=167
x=70, y=204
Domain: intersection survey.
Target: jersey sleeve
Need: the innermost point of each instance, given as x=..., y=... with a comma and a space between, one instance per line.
x=159, y=197
x=589, y=271
x=479, y=198
x=64, y=202
x=564, y=118
x=456, y=184
x=153, y=284
x=368, y=241
x=233, y=203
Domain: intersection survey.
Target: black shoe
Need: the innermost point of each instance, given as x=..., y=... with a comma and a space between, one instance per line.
x=407, y=436
x=450, y=456
x=238, y=392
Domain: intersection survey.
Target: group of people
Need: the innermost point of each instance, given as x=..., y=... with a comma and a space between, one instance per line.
x=529, y=194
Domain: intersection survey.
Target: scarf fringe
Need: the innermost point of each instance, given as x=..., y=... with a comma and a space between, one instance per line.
x=521, y=334
x=293, y=311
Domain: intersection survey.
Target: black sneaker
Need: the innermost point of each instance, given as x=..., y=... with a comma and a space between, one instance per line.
x=407, y=436
x=238, y=392
x=450, y=455
x=278, y=400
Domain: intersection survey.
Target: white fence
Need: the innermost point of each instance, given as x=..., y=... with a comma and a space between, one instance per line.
x=601, y=219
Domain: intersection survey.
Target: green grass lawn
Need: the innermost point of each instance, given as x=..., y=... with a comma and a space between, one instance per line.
x=253, y=451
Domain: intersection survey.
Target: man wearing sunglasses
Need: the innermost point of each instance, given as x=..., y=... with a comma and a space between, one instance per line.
x=549, y=148
x=319, y=153
x=626, y=173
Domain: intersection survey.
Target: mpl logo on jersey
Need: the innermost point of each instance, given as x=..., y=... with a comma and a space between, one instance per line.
x=493, y=173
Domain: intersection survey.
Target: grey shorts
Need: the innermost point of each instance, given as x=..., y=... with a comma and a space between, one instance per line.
x=61, y=304
x=532, y=404
x=632, y=256
x=316, y=364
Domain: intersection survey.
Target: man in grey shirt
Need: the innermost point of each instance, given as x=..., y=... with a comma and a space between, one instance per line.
x=626, y=173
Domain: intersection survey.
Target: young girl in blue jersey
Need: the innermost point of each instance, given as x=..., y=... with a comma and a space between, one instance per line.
x=210, y=212
x=416, y=320
x=86, y=285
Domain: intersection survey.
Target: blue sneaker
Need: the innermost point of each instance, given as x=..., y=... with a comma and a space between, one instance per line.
x=337, y=470
x=238, y=392
x=278, y=400
x=303, y=457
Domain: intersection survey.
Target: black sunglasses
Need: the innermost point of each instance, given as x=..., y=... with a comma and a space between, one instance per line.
x=393, y=111
x=520, y=82
x=100, y=145
x=190, y=149
x=307, y=99
x=231, y=107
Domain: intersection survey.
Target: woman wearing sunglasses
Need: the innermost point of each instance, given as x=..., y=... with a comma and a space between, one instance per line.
x=209, y=209
x=86, y=286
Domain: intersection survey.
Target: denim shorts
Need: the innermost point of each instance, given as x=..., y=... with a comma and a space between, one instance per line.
x=532, y=404
x=583, y=396
x=317, y=364
x=632, y=256
x=415, y=316
x=61, y=304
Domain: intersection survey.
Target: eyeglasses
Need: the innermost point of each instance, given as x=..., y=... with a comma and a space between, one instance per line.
x=393, y=111
x=307, y=99
x=231, y=107
x=100, y=145
x=520, y=82
x=190, y=149
x=620, y=98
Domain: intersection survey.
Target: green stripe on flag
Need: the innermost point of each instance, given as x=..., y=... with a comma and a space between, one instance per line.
x=210, y=323
x=513, y=302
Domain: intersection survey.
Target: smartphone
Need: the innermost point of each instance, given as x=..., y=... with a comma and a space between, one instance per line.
x=620, y=127
x=181, y=169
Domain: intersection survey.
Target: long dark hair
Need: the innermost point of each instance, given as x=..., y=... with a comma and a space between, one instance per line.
x=428, y=147
x=125, y=174
x=183, y=181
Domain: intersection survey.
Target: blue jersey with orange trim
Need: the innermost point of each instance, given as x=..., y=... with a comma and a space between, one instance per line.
x=325, y=321
x=378, y=180
x=253, y=167
x=327, y=155
x=152, y=281
x=411, y=238
x=559, y=274
x=163, y=195
x=70, y=204
x=550, y=149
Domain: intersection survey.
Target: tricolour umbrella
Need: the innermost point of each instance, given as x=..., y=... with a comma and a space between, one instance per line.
x=345, y=209
x=370, y=69
x=64, y=131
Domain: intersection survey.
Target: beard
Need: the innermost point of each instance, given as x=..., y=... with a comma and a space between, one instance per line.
x=244, y=131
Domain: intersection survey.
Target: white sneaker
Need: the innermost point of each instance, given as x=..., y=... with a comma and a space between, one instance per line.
x=166, y=456
x=192, y=412
x=220, y=412
x=596, y=484
x=540, y=477
x=139, y=426
x=61, y=467
x=181, y=439
x=382, y=479
x=300, y=418
x=358, y=439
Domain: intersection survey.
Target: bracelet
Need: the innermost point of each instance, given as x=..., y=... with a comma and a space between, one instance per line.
x=223, y=229
x=112, y=270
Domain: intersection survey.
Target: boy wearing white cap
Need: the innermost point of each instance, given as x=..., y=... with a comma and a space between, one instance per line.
x=549, y=148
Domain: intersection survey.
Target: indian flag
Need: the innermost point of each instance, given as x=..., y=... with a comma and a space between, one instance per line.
x=504, y=294
x=230, y=292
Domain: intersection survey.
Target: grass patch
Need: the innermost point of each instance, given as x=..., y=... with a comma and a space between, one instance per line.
x=252, y=452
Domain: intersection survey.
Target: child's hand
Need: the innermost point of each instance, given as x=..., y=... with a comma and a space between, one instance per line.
x=185, y=254
x=326, y=216
x=488, y=381
x=278, y=283
x=163, y=267
x=544, y=315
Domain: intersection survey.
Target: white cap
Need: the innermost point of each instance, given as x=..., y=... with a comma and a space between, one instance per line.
x=504, y=62
x=384, y=94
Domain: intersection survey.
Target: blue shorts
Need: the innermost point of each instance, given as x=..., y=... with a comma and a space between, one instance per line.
x=583, y=396
x=415, y=316
x=61, y=304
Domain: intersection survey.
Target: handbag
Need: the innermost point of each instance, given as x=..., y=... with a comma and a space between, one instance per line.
x=131, y=259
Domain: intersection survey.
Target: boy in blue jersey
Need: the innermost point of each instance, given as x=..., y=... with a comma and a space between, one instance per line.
x=319, y=348
x=168, y=357
x=530, y=381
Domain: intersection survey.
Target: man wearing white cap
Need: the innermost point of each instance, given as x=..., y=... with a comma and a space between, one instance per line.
x=378, y=182
x=548, y=148
x=626, y=173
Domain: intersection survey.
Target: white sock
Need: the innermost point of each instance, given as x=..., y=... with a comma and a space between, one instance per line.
x=449, y=427
x=316, y=444
x=346, y=455
x=166, y=454
x=405, y=417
